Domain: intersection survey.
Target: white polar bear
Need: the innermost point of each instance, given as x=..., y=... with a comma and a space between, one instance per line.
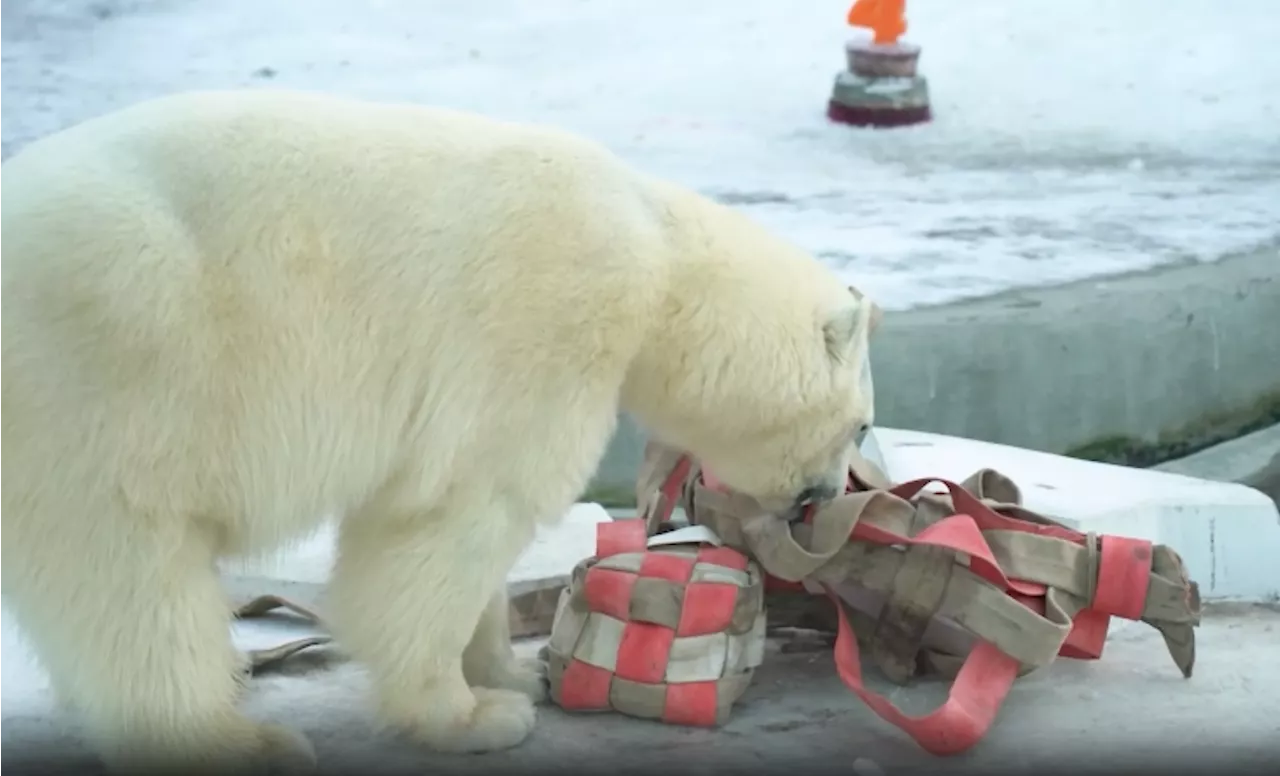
x=232, y=313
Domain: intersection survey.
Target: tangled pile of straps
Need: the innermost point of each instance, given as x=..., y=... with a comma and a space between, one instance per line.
x=963, y=584
x=670, y=623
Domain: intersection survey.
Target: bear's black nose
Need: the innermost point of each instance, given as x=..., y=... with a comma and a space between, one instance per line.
x=861, y=435
x=813, y=494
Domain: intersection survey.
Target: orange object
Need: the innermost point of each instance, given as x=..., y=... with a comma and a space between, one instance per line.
x=886, y=18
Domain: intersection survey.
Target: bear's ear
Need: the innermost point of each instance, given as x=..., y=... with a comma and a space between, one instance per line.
x=873, y=322
x=843, y=331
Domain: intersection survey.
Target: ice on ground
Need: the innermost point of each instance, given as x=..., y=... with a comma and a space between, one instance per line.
x=1071, y=139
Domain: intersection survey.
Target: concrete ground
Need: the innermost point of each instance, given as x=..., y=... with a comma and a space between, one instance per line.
x=1131, y=707
x=1128, y=710
x=1132, y=369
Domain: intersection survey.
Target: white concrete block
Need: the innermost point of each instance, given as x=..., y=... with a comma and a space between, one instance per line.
x=554, y=552
x=557, y=549
x=1228, y=534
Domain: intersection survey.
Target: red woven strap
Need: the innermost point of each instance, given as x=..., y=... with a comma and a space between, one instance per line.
x=962, y=720
x=616, y=537
x=672, y=486
x=1124, y=574
x=985, y=677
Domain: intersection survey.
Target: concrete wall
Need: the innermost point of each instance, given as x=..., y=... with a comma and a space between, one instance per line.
x=1174, y=357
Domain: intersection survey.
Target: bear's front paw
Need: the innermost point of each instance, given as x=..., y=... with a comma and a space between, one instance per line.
x=527, y=676
x=286, y=751
x=501, y=719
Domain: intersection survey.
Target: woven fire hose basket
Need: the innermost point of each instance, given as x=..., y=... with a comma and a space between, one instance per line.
x=668, y=628
x=928, y=578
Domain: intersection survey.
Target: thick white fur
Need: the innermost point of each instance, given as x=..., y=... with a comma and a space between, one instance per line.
x=228, y=314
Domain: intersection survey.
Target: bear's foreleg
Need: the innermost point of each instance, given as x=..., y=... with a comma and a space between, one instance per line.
x=409, y=591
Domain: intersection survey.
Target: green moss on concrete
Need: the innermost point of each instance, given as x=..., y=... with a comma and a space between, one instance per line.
x=1109, y=449
x=1191, y=438
x=609, y=496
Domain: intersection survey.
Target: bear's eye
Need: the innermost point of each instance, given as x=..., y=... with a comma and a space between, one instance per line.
x=861, y=433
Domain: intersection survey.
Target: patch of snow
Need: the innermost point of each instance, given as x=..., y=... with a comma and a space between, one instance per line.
x=1025, y=177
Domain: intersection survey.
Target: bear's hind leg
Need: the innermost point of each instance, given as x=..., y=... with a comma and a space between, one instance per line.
x=139, y=644
x=489, y=660
x=407, y=594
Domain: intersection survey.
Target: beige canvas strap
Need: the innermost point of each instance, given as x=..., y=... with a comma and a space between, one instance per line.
x=260, y=660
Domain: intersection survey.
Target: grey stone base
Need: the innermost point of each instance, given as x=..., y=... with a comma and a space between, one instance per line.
x=855, y=91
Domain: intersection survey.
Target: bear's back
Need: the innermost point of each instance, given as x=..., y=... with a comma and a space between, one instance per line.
x=268, y=208
x=192, y=267
x=225, y=163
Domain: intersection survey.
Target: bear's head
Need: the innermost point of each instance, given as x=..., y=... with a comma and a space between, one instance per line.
x=759, y=369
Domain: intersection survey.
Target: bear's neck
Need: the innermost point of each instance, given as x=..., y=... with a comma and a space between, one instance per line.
x=665, y=389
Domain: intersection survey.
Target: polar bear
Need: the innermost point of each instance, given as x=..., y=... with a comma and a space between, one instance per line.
x=231, y=313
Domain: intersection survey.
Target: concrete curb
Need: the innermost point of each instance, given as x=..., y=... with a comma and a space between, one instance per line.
x=1252, y=460
x=1134, y=368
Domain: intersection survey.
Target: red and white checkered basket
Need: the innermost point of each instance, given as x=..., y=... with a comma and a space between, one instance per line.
x=668, y=628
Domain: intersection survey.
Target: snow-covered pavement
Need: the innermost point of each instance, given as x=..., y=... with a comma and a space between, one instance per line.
x=1071, y=138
